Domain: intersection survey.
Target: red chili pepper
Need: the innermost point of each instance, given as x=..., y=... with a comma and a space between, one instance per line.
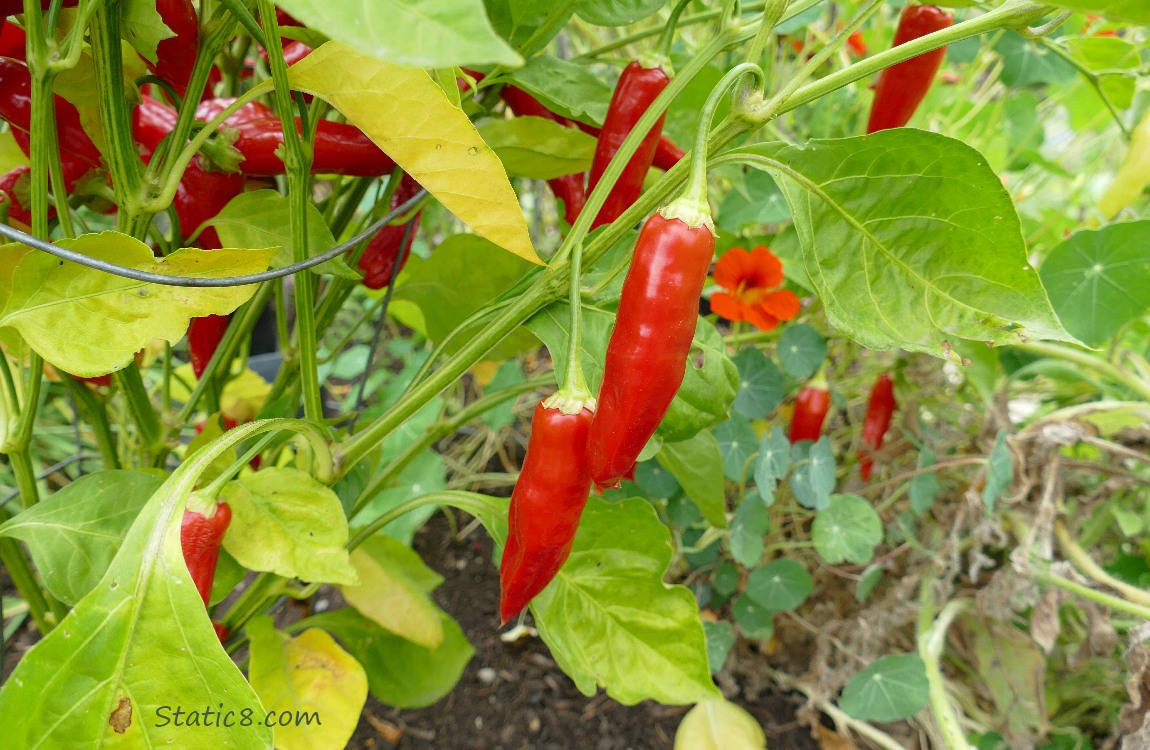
x=204, y=337
x=647, y=354
x=857, y=44
x=340, y=148
x=545, y=506
x=568, y=188
x=879, y=409
x=13, y=41
x=73, y=167
x=16, y=7
x=16, y=108
x=392, y=243
x=637, y=88
x=17, y=211
x=811, y=406
x=902, y=87
x=176, y=55
x=200, y=537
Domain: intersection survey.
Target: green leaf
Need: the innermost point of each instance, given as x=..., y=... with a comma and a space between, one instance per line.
x=517, y=21
x=416, y=33
x=262, y=218
x=718, y=724
x=1025, y=63
x=752, y=201
x=813, y=479
x=74, y=534
x=609, y=619
x=110, y=672
x=910, y=241
x=1013, y=668
x=847, y=530
x=707, y=392
x=750, y=523
x=999, y=471
x=892, y=688
x=773, y=463
x=761, y=386
x=697, y=464
x=88, y=322
x=755, y=621
x=287, y=523
x=1099, y=280
x=539, y=148
x=720, y=639
x=616, y=12
x=738, y=443
x=552, y=325
x=801, y=350
x=923, y=489
x=780, y=586
x=1133, y=11
x=656, y=481
x=393, y=590
x=565, y=88
x=307, y=675
x=143, y=27
x=406, y=114
x=464, y=273
x=400, y=673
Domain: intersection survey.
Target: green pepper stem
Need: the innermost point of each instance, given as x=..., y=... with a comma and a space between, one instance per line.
x=574, y=395
x=667, y=38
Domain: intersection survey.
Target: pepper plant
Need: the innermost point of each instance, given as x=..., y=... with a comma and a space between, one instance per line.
x=438, y=192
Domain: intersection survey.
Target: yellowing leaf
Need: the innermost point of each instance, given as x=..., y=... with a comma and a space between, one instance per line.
x=718, y=724
x=390, y=593
x=314, y=688
x=410, y=118
x=88, y=322
x=287, y=523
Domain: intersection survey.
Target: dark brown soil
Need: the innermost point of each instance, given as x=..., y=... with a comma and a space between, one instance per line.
x=514, y=697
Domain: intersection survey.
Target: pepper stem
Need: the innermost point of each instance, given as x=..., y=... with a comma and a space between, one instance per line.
x=691, y=207
x=667, y=38
x=574, y=395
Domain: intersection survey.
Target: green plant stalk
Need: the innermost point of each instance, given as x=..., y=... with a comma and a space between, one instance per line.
x=439, y=431
x=97, y=415
x=297, y=159
x=119, y=147
x=141, y=408
x=251, y=601
x=20, y=571
x=1010, y=15
x=468, y=502
x=1083, y=359
x=239, y=327
x=931, y=644
x=1087, y=566
x=1116, y=603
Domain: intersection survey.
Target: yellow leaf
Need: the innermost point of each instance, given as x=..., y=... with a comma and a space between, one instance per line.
x=408, y=116
x=312, y=689
x=393, y=600
x=718, y=724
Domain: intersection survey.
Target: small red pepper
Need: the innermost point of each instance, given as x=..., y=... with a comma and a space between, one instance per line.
x=857, y=44
x=392, y=243
x=546, y=504
x=204, y=337
x=902, y=87
x=647, y=354
x=638, y=86
x=16, y=109
x=879, y=409
x=811, y=406
x=17, y=211
x=340, y=148
x=176, y=55
x=200, y=538
x=13, y=41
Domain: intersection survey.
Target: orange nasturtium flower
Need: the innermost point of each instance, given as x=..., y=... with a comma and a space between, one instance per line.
x=748, y=279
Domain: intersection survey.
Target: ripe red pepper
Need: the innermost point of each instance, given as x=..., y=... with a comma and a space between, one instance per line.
x=13, y=42
x=857, y=44
x=200, y=538
x=16, y=109
x=879, y=409
x=389, y=245
x=545, y=506
x=901, y=88
x=811, y=406
x=16, y=7
x=637, y=88
x=176, y=55
x=204, y=337
x=647, y=354
x=340, y=148
x=17, y=211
